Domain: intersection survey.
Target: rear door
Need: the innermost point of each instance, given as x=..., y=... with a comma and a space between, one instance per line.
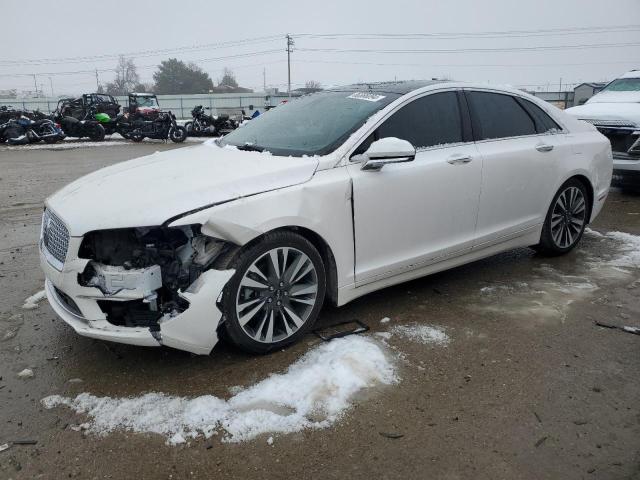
x=520, y=164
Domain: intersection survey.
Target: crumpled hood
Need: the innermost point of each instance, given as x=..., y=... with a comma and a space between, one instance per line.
x=607, y=111
x=149, y=190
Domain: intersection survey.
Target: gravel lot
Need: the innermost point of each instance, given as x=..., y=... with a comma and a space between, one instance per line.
x=526, y=388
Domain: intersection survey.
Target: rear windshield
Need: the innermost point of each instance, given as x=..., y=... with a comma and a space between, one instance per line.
x=315, y=124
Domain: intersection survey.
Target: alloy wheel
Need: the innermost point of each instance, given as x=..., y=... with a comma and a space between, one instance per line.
x=277, y=294
x=568, y=217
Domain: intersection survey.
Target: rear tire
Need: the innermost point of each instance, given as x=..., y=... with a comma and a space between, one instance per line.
x=268, y=306
x=566, y=219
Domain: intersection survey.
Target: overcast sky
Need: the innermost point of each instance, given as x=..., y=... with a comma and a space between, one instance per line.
x=48, y=37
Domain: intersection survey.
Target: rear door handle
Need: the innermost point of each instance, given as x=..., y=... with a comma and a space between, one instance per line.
x=459, y=159
x=543, y=147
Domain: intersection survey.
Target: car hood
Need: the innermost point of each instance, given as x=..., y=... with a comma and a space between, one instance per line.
x=615, y=97
x=149, y=190
x=607, y=111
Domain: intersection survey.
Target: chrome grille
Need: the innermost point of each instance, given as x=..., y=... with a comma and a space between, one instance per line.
x=610, y=123
x=55, y=236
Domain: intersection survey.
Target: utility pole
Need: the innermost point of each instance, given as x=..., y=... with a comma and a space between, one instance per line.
x=51, y=85
x=97, y=81
x=264, y=78
x=560, y=89
x=35, y=84
x=289, y=48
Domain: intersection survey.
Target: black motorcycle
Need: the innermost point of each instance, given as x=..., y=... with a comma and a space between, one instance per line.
x=162, y=127
x=204, y=124
x=23, y=130
x=77, y=127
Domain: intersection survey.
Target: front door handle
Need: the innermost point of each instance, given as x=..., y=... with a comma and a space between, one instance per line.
x=543, y=147
x=459, y=159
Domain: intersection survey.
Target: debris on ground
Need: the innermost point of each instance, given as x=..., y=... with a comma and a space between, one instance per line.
x=340, y=330
x=624, y=328
x=391, y=435
x=541, y=441
x=32, y=302
x=4, y=446
x=24, y=442
x=26, y=373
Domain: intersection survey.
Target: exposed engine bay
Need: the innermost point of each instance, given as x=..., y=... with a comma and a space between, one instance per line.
x=142, y=271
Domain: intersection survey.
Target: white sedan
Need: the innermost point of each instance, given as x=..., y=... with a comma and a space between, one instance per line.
x=327, y=198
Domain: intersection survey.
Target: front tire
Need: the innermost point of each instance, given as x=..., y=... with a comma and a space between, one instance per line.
x=566, y=219
x=178, y=134
x=276, y=293
x=97, y=133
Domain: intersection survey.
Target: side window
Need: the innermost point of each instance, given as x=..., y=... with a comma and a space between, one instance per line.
x=498, y=116
x=425, y=122
x=544, y=123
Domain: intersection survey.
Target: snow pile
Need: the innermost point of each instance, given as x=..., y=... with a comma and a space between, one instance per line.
x=32, y=302
x=313, y=393
x=425, y=334
x=628, y=254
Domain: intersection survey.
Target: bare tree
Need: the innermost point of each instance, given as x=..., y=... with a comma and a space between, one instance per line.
x=127, y=77
x=313, y=84
x=228, y=79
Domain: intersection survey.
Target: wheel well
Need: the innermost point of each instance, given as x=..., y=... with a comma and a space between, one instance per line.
x=587, y=184
x=323, y=248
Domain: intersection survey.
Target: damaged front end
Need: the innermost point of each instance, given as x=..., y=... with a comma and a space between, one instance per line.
x=165, y=281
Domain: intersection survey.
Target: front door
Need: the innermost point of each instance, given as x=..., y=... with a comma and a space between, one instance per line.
x=411, y=214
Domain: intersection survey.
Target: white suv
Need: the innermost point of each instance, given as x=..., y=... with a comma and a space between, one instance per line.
x=615, y=112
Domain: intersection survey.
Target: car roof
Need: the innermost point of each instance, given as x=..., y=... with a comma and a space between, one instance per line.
x=400, y=87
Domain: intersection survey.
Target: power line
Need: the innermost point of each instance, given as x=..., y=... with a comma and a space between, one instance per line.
x=143, y=53
x=473, y=65
x=472, y=50
x=486, y=34
x=141, y=67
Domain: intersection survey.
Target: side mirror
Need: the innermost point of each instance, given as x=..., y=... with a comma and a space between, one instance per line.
x=385, y=151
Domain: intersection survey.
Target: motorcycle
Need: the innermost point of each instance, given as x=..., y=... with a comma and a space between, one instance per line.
x=163, y=126
x=23, y=130
x=204, y=124
x=74, y=127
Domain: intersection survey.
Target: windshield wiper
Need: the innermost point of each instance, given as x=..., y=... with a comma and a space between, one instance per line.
x=250, y=147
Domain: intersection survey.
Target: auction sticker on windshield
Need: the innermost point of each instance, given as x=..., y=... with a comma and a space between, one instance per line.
x=369, y=97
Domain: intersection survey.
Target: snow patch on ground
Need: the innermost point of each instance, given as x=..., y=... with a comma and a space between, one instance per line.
x=425, y=334
x=32, y=302
x=314, y=392
x=114, y=140
x=549, y=292
x=628, y=251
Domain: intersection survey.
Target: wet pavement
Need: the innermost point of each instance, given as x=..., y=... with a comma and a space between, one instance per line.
x=526, y=388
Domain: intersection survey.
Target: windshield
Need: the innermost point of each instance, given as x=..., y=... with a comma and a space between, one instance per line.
x=147, y=102
x=623, y=85
x=315, y=124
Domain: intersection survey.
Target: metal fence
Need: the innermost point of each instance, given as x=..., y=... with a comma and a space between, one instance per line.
x=180, y=105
